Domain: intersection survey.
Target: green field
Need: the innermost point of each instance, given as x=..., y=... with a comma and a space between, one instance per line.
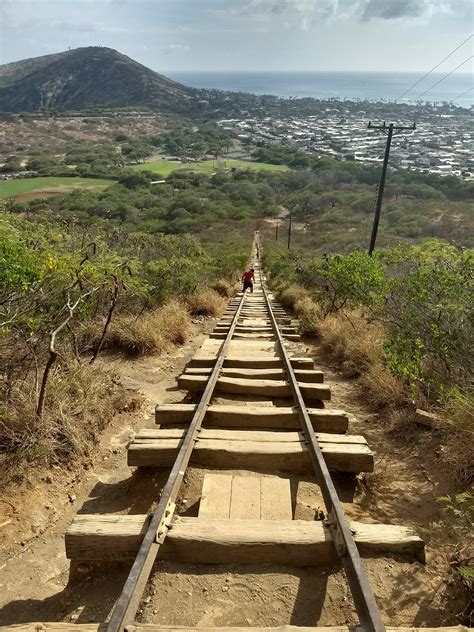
x=39, y=187
x=164, y=167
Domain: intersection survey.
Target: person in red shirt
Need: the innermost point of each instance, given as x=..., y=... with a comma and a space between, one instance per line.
x=247, y=279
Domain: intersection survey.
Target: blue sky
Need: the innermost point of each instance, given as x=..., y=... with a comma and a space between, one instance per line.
x=246, y=34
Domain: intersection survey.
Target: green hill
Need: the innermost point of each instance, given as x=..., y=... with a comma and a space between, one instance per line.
x=89, y=77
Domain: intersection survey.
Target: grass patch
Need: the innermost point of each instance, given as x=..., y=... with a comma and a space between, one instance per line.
x=206, y=303
x=152, y=333
x=165, y=167
x=81, y=401
x=48, y=186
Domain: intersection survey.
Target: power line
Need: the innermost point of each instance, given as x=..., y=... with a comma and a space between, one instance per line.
x=434, y=67
x=462, y=93
x=445, y=76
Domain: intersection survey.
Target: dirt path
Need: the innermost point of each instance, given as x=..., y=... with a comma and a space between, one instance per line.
x=35, y=582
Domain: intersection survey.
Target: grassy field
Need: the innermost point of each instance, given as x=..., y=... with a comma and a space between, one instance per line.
x=39, y=187
x=164, y=167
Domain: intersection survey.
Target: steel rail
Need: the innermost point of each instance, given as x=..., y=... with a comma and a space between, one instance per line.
x=364, y=600
x=127, y=605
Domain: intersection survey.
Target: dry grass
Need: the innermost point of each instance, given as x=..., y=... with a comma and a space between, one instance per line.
x=153, y=332
x=309, y=315
x=224, y=288
x=382, y=389
x=458, y=423
x=353, y=343
x=206, y=303
x=80, y=402
x=291, y=295
x=299, y=301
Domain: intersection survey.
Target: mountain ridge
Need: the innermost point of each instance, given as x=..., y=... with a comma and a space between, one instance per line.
x=91, y=76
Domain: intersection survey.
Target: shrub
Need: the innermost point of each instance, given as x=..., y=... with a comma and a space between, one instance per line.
x=153, y=332
x=206, y=303
x=223, y=288
x=79, y=406
x=309, y=315
x=291, y=295
x=349, y=340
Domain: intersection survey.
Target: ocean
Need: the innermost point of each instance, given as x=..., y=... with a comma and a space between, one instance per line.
x=349, y=85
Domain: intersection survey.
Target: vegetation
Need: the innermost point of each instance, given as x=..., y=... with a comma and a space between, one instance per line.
x=165, y=167
x=70, y=290
x=402, y=319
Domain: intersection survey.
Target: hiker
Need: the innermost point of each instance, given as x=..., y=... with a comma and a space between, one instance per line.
x=248, y=278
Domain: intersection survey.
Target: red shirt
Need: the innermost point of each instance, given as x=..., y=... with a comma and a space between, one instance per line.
x=248, y=276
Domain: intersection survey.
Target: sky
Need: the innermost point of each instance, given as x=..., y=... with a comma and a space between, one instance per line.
x=284, y=35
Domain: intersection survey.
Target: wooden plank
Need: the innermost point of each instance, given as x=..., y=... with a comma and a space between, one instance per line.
x=270, y=436
x=245, y=498
x=196, y=540
x=265, y=388
x=323, y=419
x=275, y=500
x=256, y=361
x=215, y=496
x=140, y=627
x=310, y=377
x=253, y=455
x=152, y=627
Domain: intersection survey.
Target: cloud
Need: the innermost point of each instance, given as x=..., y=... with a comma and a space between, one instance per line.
x=304, y=14
x=392, y=9
x=397, y=9
x=300, y=13
x=175, y=48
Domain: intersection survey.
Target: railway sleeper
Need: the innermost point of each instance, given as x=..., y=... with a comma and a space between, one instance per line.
x=266, y=388
x=256, y=362
x=152, y=627
x=250, y=449
x=274, y=417
x=302, y=375
x=102, y=537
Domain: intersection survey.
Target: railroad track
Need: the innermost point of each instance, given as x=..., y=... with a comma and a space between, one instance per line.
x=273, y=421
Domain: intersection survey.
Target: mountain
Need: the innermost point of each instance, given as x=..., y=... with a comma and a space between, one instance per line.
x=89, y=77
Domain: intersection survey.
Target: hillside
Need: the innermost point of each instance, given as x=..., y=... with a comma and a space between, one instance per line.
x=88, y=77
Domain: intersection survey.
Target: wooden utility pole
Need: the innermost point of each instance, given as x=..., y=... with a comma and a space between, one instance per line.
x=276, y=229
x=289, y=233
x=378, y=206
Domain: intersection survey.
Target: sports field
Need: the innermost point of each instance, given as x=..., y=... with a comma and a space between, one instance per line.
x=28, y=188
x=165, y=167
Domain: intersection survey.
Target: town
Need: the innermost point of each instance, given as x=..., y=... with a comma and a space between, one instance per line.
x=441, y=143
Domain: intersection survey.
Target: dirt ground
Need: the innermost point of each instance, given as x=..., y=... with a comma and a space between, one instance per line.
x=37, y=584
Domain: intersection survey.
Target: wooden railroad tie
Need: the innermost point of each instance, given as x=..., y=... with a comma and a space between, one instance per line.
x=276, y=417
x=152, y=627
x=251, y=449
x=303, y=375
x=242, y=520
x=267, y=388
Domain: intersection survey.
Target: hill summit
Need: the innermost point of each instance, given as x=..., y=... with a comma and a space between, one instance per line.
x=88, y=77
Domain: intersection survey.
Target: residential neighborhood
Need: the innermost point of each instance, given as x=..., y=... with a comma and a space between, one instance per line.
x=441, y=143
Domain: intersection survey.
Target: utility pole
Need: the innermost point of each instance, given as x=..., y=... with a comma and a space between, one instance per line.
x=276, y=229
x=289, y=232
x=383, y=175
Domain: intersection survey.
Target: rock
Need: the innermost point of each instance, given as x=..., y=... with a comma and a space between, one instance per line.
x=225, y=588
x=72, y=497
